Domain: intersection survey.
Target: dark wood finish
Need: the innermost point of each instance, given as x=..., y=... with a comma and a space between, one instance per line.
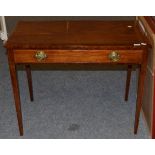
x=151, y=21
x=142, y=75
x=75, y=35
x=15, y=87
x=128, y=79
x=78, y=56
x=77, y=42
x=29, y=79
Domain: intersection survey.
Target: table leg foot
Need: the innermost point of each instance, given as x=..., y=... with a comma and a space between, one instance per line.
x=136, y=124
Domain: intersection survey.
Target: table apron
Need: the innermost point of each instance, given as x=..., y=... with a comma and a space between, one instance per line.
x=78, y=56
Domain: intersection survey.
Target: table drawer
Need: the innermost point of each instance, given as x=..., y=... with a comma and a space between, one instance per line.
x=78, y=56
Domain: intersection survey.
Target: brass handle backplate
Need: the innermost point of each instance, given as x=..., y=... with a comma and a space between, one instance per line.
x=40, y=55
x=114, y=56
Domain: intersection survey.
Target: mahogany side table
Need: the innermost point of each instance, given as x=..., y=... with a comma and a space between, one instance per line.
x=77, y=42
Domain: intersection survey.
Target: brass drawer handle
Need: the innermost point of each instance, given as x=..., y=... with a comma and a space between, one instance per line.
x=114, y=56
x=40, y=55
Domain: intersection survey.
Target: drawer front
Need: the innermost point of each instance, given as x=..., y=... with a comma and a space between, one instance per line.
x=78, y=56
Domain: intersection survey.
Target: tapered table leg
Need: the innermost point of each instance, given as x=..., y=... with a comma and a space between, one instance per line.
x=15, y=87
x=128, y=82
x=29, y=78
x=140, y=91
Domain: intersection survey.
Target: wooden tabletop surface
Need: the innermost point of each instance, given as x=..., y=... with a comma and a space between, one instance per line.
x=75, y=35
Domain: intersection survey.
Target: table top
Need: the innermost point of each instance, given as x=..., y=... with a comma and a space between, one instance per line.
x=76, y=35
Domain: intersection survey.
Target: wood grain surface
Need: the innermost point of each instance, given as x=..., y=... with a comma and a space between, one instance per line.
x=75, y=35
